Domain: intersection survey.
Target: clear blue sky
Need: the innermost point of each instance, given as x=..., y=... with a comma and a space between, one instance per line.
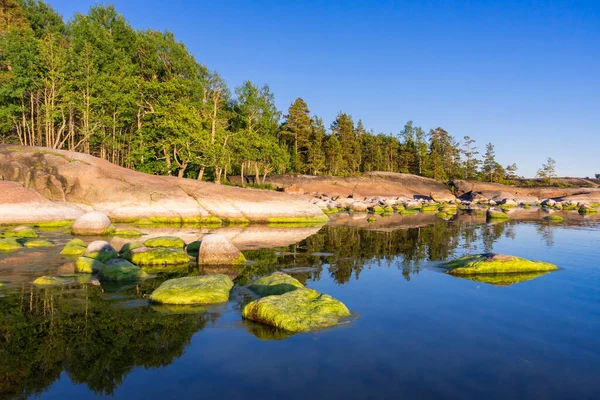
x=524, y=75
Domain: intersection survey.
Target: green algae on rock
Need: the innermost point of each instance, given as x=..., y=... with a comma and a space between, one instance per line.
x=275, y=284
x=101, y=251
x=156, y=256
x=165, y=241
x=87, y=265
x=492, y=263
x=22, y=232
x=297, y=311
x=53, y=280
x=119, y=270
x=193, y=248
x=554, y=218
x=128, y=233
x=9, y=244
x=127, y=247
x=75, y=247
x=496, y=215
x=32, y=243
x=206, y=289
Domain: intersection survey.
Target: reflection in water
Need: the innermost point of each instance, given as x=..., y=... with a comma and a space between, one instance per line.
x=87, y=335
x=502, y=279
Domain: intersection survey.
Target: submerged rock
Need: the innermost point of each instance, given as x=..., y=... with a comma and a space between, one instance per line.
x=165, y=241
x=9, y=244
x=206, y=289
x=297, y=311
x=119, y=270
x=38, y=243
x=87, y=265
x=492, y=263
x=216, y=249
x=156, y=256
x=128, y=233
x=101, y=251
x=53, y=281
x=275, y=284
x=92, y=223
x=21, y=232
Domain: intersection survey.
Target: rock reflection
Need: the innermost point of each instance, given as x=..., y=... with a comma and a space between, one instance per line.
x=503, y=279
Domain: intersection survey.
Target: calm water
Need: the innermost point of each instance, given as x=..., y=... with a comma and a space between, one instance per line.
x=419, y=333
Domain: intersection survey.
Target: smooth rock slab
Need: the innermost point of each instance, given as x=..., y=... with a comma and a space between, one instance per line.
x=9, y=244
x=100, y=250
x=157, y=256
x=92, y=223
x=492, y=263
x=206, y=289
x=75, y=247
x=216, y=249
x=165, y=241
x=275, y=284
x=119, y=270
x=297, y=311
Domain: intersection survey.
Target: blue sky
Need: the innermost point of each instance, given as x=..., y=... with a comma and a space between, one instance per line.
x=524, y=75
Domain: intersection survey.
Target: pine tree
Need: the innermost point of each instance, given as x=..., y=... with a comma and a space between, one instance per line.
x=489, y=162
x=297, y=130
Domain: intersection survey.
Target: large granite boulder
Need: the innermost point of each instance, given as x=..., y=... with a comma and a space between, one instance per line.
x=216, y=249
x=92, y=223
x=297, y=311
x=207, y=289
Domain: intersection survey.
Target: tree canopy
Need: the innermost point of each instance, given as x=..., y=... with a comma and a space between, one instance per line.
x=140, y=99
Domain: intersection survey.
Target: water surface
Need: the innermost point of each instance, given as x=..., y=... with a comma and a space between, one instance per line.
x=418, y=332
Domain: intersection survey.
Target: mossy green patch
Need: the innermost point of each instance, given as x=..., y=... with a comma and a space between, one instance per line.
x=87, y=265
x=317, y=219
x=554, y=218
x=54, y=224
x=584, y=211
x=429, y=208
x=118, y=270
x=102, y=256
x=75, y=247
x=157, y=256
x=377, y=210
x=128, y=233
x=409, y=211
x=22, y=232
x=297, y=311
x=9, y=244
x=211, y=220
x=275, y=284
x=496, y=215
x=127, y=247
x=193, y=248
x=503, y=279
x=206, y=289
x=32, y=243
x=237, y=221
x=165, y=241
x=371, y=219
x=53, y=280
x=491, y=263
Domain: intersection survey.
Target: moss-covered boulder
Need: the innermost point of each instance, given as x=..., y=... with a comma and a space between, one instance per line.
x=408, y=212
x=587, y=210
x=216, y=249
x=21, y=232
x=33, y=243
x=275, y=284
x=75, y=247
x=165, y=241
x=297, y=311
x=492, y=263
x=496, y=215
x=119, y=270
x=9, y=244
x=206, y=289
x=157, y=256
x=127, y=247
x=128, y=233
x=87, y=265
x=101, y=251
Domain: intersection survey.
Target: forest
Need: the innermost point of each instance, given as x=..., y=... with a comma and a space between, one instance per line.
x=140, y=99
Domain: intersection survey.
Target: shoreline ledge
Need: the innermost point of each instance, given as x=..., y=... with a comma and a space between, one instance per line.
x=46, y=186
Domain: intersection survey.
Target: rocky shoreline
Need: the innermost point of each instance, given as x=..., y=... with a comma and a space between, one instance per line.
x=47, y=186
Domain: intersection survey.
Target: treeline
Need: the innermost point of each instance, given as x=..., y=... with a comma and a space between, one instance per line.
x=139, y=99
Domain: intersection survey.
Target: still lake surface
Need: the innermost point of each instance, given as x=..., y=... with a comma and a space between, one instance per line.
x=418, y=332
